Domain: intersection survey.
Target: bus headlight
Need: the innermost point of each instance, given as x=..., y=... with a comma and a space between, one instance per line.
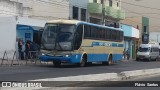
x=67, y=55
x=43, y=54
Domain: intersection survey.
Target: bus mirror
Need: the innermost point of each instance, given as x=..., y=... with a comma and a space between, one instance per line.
x=41, y=29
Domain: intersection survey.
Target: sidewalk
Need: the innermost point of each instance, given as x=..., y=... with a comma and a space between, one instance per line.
x=125, y=60
x=18, y=62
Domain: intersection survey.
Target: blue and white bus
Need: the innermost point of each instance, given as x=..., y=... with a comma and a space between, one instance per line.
x=71, y=41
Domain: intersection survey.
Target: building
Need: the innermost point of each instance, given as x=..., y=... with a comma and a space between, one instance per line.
x=142, y=24
x=84, y=10
x=130, y=35
x=10, y=8
x=106, y=12
x=55, y=9
x=154, y=36
x=15, y=28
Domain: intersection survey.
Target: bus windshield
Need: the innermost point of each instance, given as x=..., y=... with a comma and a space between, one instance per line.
x=57, y=37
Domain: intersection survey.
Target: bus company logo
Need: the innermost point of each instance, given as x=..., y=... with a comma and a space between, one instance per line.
x=6, y=84
x=107, y=44
x=101, y=44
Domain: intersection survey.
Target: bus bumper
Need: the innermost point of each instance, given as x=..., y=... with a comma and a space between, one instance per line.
x=51, y=58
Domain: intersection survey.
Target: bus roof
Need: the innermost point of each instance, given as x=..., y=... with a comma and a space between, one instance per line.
x=61, y=21
x=64, y=21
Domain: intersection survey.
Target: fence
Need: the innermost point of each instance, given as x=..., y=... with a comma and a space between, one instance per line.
x=13, y=60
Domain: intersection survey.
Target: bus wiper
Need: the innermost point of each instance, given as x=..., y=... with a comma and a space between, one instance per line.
x=44, y=45
x=59, y=46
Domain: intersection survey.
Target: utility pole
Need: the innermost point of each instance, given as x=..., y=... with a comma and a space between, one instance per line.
x=103, y=12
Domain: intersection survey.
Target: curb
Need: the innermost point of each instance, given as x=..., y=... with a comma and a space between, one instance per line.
x=91, y=77
x=105, y=76
x=135, y=73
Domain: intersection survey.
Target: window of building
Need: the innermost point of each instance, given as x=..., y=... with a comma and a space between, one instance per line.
x=137, y=27
x=83, y=14
x=102, y=1
x=94, y=1
x=75, y=12
x=117, y=4
x=110, y=3
x=145, y=29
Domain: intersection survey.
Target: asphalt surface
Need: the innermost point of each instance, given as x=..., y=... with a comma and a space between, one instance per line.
x=145, y=79
x=32, y=72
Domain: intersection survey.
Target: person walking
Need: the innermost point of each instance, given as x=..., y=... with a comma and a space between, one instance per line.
x=20, y=44
x=128, y=54
x=124, y=54
x=27, y=49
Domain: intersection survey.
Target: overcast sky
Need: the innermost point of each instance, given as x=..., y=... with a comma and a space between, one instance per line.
x=152, y=14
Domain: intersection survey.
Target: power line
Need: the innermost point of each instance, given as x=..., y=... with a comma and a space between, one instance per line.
x=57, y=3
x=140, y=5
x=145, y=13
x=139, y=13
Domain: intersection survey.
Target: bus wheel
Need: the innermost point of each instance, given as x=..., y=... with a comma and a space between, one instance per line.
x=109, y=62
x=83, y=61
x=57, y=63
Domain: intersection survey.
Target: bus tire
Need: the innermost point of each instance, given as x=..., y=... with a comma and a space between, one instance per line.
x=83, y=62
x=57, y=63
x=109, y=62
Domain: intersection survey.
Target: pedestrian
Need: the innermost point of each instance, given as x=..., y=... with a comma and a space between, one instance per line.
x=20, y=44
x=124, y=54
x=128, y=54
x=27, y=49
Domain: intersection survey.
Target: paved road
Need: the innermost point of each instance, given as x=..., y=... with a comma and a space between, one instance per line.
x=146, y=79
x=22, y=73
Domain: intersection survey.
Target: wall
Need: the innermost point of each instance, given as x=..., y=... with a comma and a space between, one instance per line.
x=47, y=9
x=29, y=21
x=135, y=32
x=8, y=35
x=154, y=36
x=131, y=35
x=127, y=30
x=10, y=8
x=134, y=22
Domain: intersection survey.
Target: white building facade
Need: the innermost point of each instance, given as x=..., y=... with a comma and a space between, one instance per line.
x=47, y=9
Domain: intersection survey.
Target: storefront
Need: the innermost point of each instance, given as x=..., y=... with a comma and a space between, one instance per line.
x=29, y=29
x=131, y=37
x=31, y=33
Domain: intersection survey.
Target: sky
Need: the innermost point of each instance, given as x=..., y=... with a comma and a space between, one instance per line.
x=149, y=8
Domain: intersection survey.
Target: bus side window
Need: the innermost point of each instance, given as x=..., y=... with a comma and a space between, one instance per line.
x=107, y=34
x=78, y=37
x=112, y=35
x=118, y=36
x=87, y=31
x=102, y=33
x=93, y=32
x=121, y=36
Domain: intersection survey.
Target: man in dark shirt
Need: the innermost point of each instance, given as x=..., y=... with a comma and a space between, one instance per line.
x=20, y=44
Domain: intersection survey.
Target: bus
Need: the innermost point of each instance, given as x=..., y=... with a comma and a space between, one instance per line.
x=72, y=41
